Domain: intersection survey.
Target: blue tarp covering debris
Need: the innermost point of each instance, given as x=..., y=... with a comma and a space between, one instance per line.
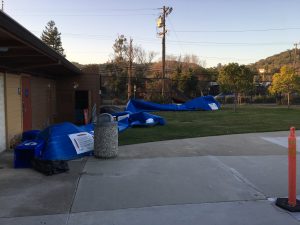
x=206, y=103
x=59, y=146
x=127, y=119
x=52, y=143
x=136, y=110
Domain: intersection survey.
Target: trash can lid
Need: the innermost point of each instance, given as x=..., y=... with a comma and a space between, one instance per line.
x=105, y=118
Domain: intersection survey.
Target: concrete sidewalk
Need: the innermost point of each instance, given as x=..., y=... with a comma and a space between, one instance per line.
x=211, y=180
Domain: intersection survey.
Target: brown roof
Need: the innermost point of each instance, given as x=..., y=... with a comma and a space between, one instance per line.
x=23, y=52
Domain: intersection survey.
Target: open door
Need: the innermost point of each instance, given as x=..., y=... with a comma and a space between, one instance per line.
x=26, y=104
x=81, y=105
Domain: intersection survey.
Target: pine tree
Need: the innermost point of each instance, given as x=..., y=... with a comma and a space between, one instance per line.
x=51, y=37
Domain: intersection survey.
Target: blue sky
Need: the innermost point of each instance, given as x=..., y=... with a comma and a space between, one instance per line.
x=218, y=31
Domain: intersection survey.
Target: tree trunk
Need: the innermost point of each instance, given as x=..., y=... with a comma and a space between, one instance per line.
x=288, y=100
x=235, y=101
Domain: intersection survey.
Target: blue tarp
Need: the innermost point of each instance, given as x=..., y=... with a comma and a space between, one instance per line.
x=145, y=119
x=136, y=110
x=58, y=145
x=127, y=119
x=201, y=103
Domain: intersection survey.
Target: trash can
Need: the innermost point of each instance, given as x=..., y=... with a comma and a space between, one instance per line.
x=30, y=135
x=26, y=151
x=106, y=137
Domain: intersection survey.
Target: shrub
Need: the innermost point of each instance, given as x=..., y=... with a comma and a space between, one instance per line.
x=270, y=99
x=155, y=97
x=264, y=99
x=245, y=99
x=117, y=101
x=229, y=100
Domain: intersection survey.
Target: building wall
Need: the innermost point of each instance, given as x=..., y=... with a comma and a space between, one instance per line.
x=51, y=101
x=43, y=102
x=13, y=108
x=2, y=115
x=65, y=90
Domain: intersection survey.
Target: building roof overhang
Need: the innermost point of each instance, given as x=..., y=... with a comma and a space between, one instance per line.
x=23, y=52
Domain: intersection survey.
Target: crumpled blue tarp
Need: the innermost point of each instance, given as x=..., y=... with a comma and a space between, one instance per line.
x=206, y=103
x=127, y=119
x=58, y=144
x=136, y=110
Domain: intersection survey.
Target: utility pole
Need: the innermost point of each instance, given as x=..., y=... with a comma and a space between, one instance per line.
x=100, y=89
x=2, y=6
x=163, y=51
x=129, y=88
x=295, y=55
x=161, y=23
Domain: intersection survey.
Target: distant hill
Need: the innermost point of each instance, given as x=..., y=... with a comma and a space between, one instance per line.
x=78, y=65
x=88, y=68
x=273, y=63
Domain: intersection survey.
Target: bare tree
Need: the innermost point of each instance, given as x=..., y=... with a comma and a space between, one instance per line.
x=143, y=57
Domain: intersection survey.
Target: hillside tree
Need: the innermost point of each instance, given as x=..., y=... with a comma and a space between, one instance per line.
x=237, y=79
x=286, y=81
x=121, y=48
x=52, y=38
x=188, y=83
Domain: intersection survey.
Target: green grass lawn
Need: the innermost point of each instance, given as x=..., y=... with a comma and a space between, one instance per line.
x=247, y=119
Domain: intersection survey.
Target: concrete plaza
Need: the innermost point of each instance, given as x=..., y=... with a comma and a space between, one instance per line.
x=231, y=179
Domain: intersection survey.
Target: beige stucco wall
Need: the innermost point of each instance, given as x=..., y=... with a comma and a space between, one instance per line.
x=13, y=108
x=2, y=115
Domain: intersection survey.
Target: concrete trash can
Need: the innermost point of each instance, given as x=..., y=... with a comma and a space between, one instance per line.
x=106, y=137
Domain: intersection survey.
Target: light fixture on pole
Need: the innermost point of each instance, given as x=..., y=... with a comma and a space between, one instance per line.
x=161, y=23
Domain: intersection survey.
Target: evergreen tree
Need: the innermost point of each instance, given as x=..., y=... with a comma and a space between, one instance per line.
x=121, y=49
x=51, y=37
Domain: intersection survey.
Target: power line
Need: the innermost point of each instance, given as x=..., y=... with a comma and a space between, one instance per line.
x=153, y=40
x=128, y=9
x=94, y=9
x=227, y=58
x=233, y=43
x=176, y=36
x=85, y=15
x=238, y=31
x=201, y=56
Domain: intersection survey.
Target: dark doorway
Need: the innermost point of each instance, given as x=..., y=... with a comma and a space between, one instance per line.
x=81, y=103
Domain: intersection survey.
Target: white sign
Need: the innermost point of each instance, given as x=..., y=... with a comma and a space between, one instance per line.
x=149, y=121
x=83, y=142
x=123, y=117
x=31, y=143
x=213, y=106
